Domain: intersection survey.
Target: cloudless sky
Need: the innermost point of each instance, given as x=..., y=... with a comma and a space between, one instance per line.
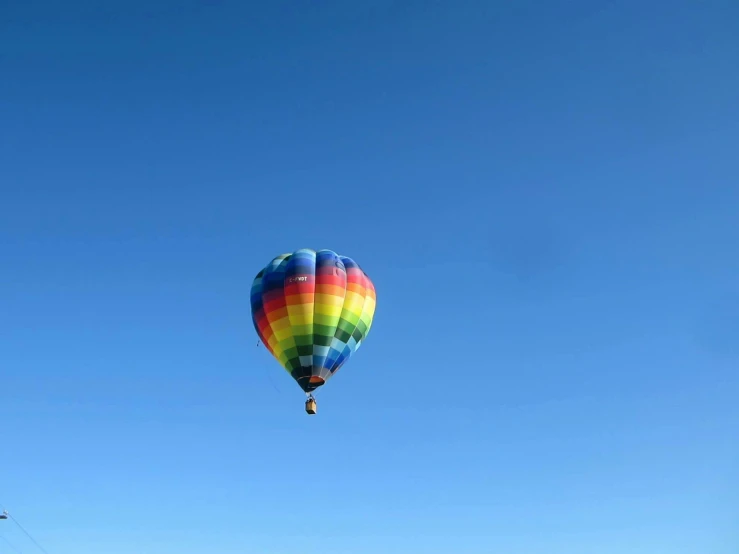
x=544, y=193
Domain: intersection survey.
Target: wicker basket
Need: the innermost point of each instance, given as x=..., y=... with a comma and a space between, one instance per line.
x=310, y=406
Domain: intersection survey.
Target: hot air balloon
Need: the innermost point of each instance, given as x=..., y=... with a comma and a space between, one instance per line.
x=312, y=310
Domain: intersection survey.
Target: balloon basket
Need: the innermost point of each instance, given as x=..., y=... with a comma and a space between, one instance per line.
x=310, y=406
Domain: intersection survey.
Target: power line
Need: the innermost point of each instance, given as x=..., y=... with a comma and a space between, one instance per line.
x=34, y=541
x=4, y=516
x=41, y=548
x=10, y=545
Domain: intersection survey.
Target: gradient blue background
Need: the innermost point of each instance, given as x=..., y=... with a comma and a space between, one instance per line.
x=545, y=194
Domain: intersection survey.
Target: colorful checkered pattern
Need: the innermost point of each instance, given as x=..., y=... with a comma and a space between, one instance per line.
x=312, y=310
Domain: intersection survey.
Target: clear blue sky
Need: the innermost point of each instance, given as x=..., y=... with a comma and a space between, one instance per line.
x=544, y=193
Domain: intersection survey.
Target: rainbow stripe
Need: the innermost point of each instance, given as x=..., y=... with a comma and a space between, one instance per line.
x=312, y=310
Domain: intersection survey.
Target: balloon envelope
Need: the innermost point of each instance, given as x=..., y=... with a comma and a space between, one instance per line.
x=312, y=310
